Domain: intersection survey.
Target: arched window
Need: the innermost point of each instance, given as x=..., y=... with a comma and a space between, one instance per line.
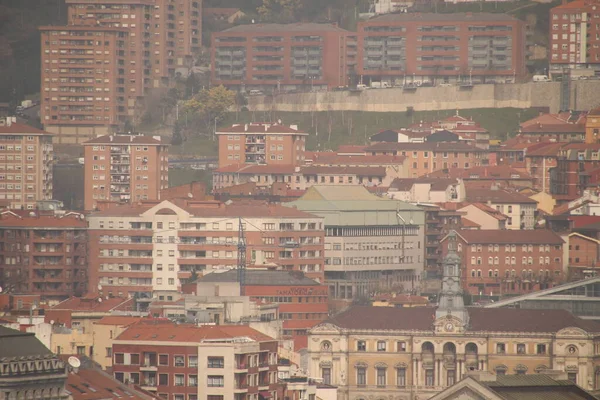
x=496, y=260
x=479, y=273
x=478, y=260
x=472, y=273
x=491, y=260
x=473, y=260
x=513, y=260
x=496, y=273
x=490, y=273
x=507, y=260
x=496, y=248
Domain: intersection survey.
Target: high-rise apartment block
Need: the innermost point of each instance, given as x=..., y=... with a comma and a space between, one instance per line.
x=43, y=253
x=25, y=165
x=151, y=247
x=124, y=168
x=109, y=55
x=276, y=57
x=466, y=47
x=261, y=143
x=574, y=36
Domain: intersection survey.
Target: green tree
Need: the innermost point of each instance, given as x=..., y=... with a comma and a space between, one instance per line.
x=192, y=86
x=281, y=11
x=177, y=138
x=210, y=105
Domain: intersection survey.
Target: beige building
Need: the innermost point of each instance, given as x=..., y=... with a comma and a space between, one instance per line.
x=124, y=169
x=518, y=208
x=410, y=353
x=484, y=215
x=25, y=165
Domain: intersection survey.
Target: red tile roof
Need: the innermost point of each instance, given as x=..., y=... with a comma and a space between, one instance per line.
x=326, y=158
x=467, y=223
x=19, y=219
x=505, y=236
x=120, y=320
x=252, y=169
x=260, y=128
x=93, y=384
x=93, y=304
x=351, y=148
x=125, y=139
x=190, y=333
x=497, y=196
x=481, y=319
x=218, y=11
x=482, y=172
x=489, y=210
x=427, y=146
x=577, y=4
x=21, y=129
x=334, y=170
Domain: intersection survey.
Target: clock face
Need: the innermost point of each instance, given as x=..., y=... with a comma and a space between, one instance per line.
x=449, y=327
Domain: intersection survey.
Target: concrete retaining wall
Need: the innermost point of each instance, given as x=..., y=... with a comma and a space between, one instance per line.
x=584, y=95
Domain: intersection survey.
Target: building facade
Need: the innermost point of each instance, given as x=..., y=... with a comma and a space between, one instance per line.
x=573, y=37
x=519, y=209
x=576, y=169
x=408, y=352
x=424, y=158
x=109, y=56
x=504, y=262
x=43, y=373
x=281, y=57
x=459, y=47
x=185, y=362
x=43, y=253
x=152, y=247
x=25, y=165
x=261, y=143
x=124, y=169
x=371, y=242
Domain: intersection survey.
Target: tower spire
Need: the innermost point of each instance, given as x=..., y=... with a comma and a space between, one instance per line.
x=451, y=297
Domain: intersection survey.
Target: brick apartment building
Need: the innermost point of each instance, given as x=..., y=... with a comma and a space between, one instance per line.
x=261, y=143
x=25, y=165
x=424, y=158
x=43, y=253
x=584, y=253
x=574, y=36
x=184, y=362
x=562, y=127
x=109, y=55
x=124, y=168
x=275, y=57
x=577, y=166
x=406, y=48
x=302, y=301
x=505, y=262
x=152, y=246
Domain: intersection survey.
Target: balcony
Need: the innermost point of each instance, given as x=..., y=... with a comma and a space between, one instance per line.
x=149, y=385
x=148, y=367
x=263, y=366
x=240, y=387
x=241, y=367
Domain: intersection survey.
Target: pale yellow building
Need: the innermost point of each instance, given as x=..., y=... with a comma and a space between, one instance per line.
x=415, y=353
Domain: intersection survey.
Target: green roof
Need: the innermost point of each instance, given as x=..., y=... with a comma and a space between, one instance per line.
x=15, y=343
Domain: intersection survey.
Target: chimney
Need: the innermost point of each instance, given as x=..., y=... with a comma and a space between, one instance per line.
x=110, y=138
x=246, y=127
x=8, y=121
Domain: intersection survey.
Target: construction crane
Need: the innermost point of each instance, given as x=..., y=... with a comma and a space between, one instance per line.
x=241, y=257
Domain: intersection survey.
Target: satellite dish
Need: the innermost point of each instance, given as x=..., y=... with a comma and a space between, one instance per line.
x=33, y=307
x=74, y=362
x=51, y=322
x=100, y=300
x=99, y=287
x=0, y=289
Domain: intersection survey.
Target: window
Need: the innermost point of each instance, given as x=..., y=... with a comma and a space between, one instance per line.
x=541, y=349
x=216, y=362
x=109, y=352
x=163, y=379
x=81, y=350
x=521, y=348
x=179, y=380
x=500, y=348
x=381, y=345
x=119, y=358
x=572, y=376
x=451, y=377
x=192, y=361
x=163, y=359
x=361, y=376
x=401, y=377
x=134, y=359
x=179, y=361
x=215, y=381
x=429, y=377
x=381, y=376
x=361, y=345
x=401, y=346
x=326, y=375
x=193, y=380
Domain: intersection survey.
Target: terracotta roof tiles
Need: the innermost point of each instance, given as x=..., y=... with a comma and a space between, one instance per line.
x=21, y=129
x=260, y=128
x=497, y=236
x=125, y=139
x=190, y=333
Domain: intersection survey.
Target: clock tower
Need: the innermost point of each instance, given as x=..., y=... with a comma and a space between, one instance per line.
x=450, y=301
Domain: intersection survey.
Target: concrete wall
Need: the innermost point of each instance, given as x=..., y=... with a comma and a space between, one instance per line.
x=524, y=95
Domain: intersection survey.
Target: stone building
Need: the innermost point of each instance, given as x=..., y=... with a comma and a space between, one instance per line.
x=409, y=353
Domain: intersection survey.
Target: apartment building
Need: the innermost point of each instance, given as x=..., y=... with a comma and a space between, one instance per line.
x=186, y=362
x=84, y=93
x=281, y=57
x=561, y=127
x=371, y=242
x=577, y=167
x=25, y=165
x=518, y=208
x=457, y=47
x=504, y=262
x=43, y=253
x=303, y=302
x=112, y=54
x=584, y=253
x=574, y=37
x=152, y=246
x=124, y=169
x=424, y=158
x=261, y=143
